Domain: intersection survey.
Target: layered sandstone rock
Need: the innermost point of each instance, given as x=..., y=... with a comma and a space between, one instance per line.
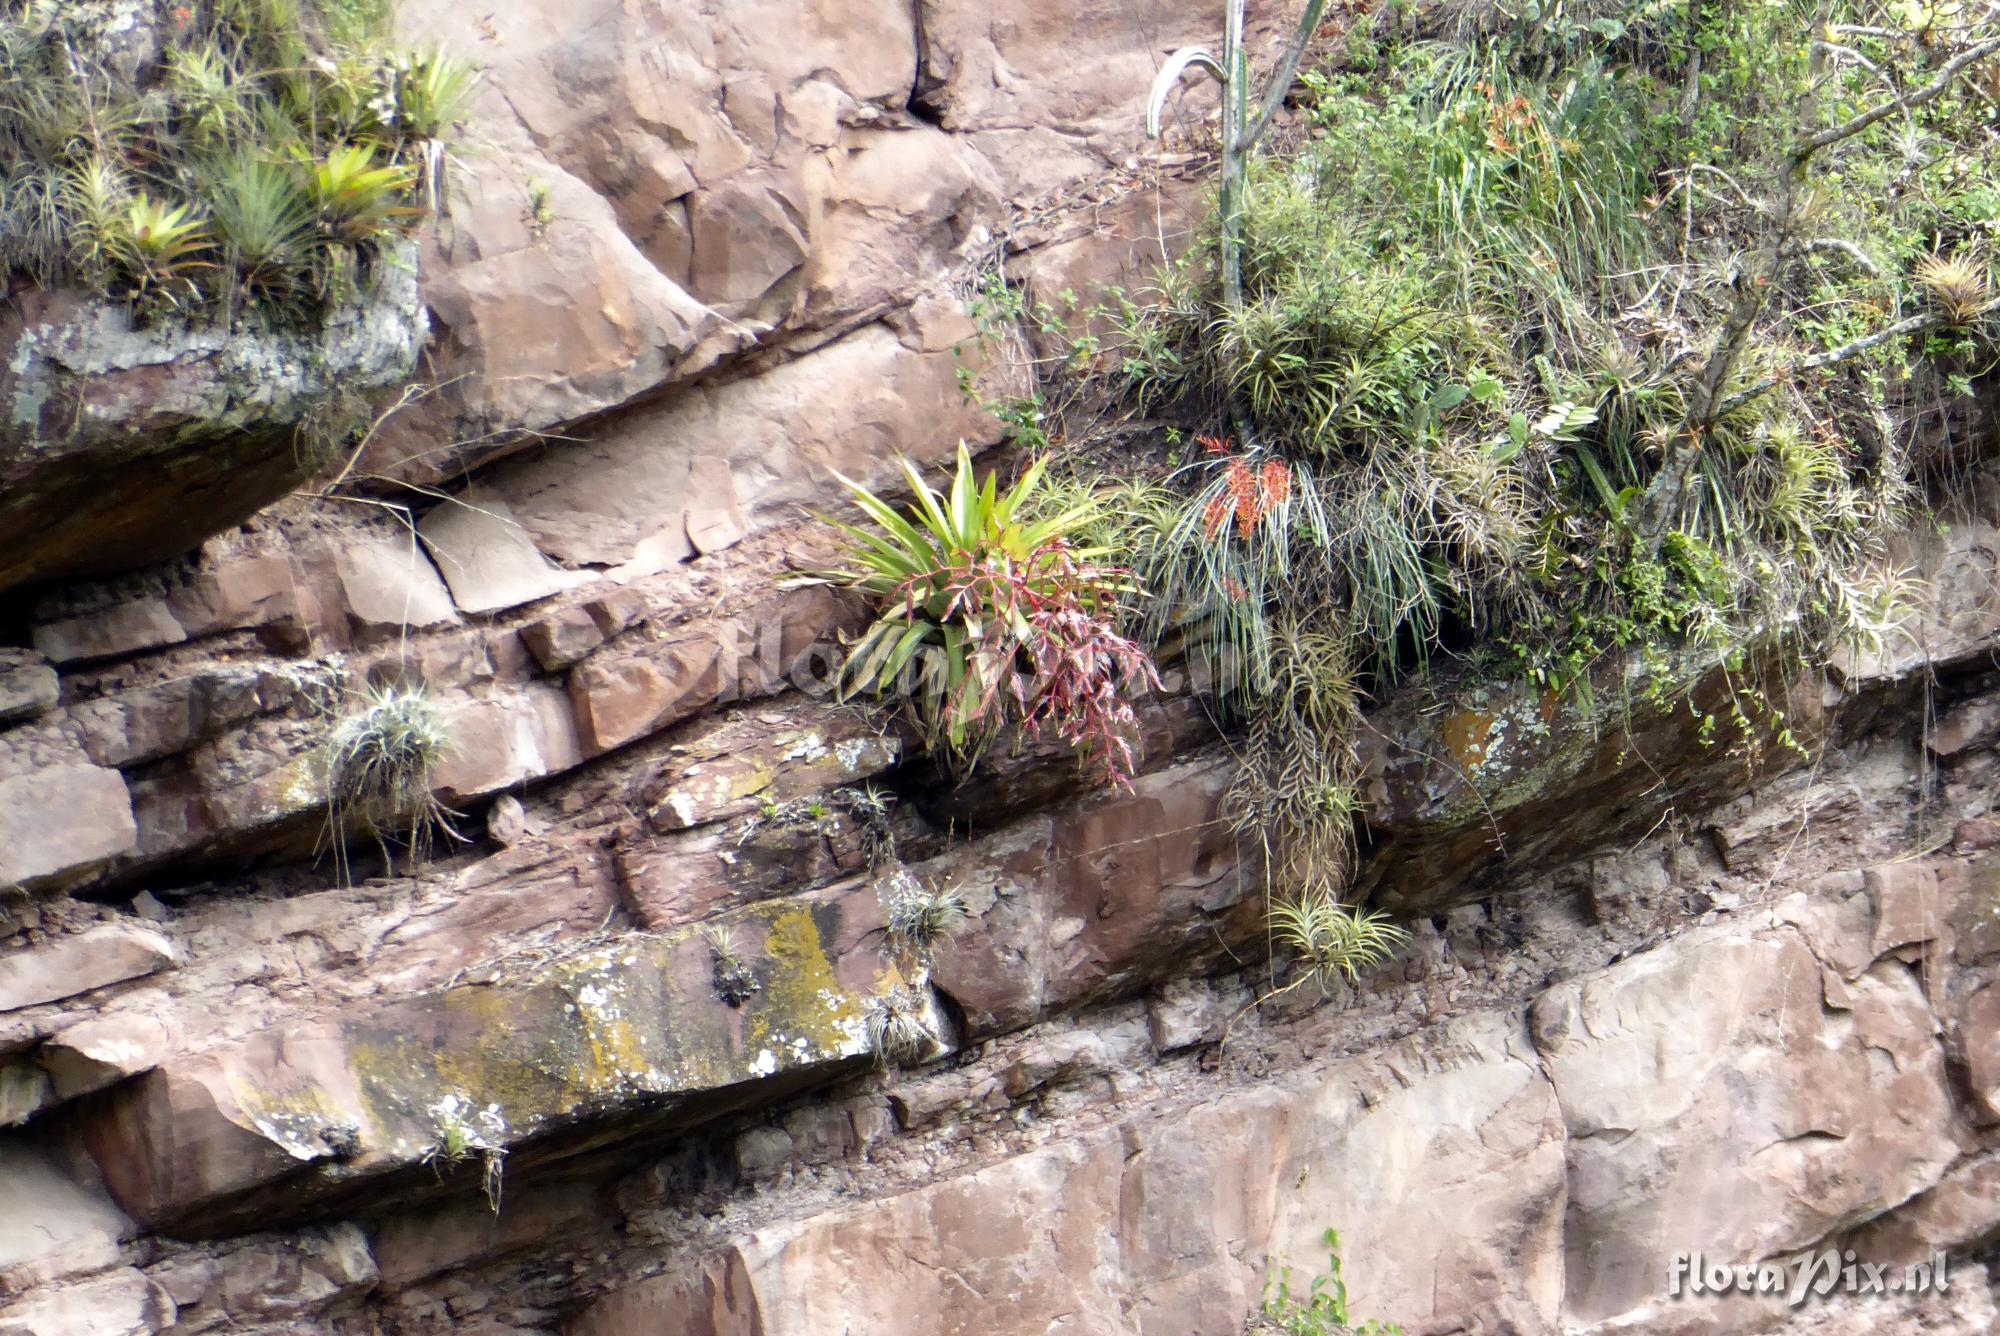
x=1657, y=1000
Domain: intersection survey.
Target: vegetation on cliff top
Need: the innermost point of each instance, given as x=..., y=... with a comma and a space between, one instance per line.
x=258, y=164
x=1612, y=330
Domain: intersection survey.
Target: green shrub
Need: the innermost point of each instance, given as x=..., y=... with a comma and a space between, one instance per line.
x=988, y=614
x=1552, y=345
x=1320, y=1311
x=352, y=22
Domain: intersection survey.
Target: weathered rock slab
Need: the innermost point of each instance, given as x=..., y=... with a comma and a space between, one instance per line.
x=28, y=686
x=49, y=1225
x=124, y=1302
x=209, y=1141
x=487, y=559
x=82, y=962
x=1719, y=1097
x=1441, y=1163
x=62, y=823
x=122, y=444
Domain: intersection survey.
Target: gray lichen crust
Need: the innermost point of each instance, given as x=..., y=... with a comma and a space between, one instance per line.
x=112, y=430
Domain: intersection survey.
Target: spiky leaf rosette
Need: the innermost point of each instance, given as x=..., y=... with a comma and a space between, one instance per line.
x=1333, y=941
x=991, y=614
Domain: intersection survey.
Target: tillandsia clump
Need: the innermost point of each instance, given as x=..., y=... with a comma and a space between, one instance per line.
x=1959, y=287
x=989, y=613
x=899, y=1027
x=1331, y=941
x=864, y=810
x=871, y=808
x=816, y=814
x=257, y=167
x=921, y=917
x=379, y=763
x=462, y=1131
x=735, y=981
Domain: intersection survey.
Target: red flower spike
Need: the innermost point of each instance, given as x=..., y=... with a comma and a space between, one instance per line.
x=1277, y=483
x=1214, y=517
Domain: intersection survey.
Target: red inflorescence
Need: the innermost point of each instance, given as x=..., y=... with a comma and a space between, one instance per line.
x=1248, y=495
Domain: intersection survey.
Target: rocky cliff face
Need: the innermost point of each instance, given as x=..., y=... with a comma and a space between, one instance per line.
x=1662, y=998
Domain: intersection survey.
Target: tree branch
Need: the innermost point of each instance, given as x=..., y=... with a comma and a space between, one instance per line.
x=1916, y=324
x=1928, y=92
x=1235, y=99
x=1847, y=248
x=1281, y=77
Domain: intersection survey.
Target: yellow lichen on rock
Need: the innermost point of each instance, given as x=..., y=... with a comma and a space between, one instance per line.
x=803, y=1002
